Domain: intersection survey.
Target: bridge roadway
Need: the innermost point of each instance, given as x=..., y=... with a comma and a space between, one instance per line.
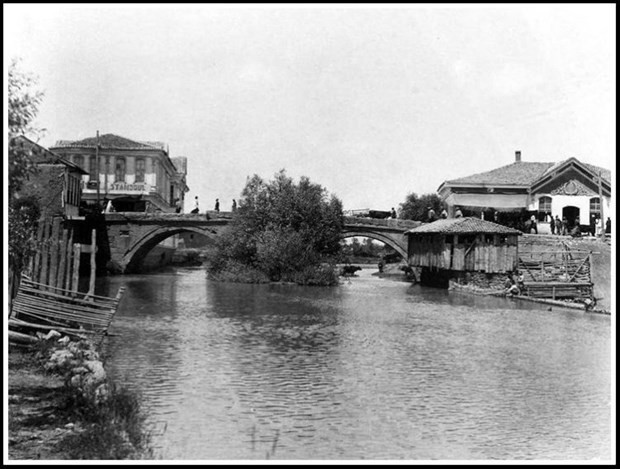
x=132, y=234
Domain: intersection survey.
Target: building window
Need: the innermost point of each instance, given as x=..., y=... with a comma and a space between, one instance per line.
x=544, y=204
x=73, y=191
x=119, y=174
x=595, y=205
x=79, y=161
x=140, y=169
x=92, y=167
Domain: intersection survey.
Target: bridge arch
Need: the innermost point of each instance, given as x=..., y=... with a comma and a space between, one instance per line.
x=384, y=238
x=139, y=249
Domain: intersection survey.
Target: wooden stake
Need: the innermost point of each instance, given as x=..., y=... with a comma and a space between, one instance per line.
x=45, y=253
x=600, y=199
x=37, y=257
x=62, y=265
x=77, y=249
x=54, y=252
x=67, y=279
x=93, y=265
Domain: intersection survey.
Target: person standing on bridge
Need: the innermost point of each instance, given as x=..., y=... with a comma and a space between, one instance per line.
x=177, y=205
x=195, y=205
x=217, y=205
x=234, y=205
x=393, y=213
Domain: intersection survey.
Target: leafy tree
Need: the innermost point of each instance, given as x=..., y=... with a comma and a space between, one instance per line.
x=23, y=218
x=281, y=229
x=23, y=107
x=416, y=208
x=24, y=213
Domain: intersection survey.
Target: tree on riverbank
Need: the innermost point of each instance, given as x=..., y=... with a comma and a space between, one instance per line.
x=23, y=106
x=416, y=207
x=281, y=231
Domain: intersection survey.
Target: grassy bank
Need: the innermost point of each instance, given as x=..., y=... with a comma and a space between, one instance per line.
x=50, y=418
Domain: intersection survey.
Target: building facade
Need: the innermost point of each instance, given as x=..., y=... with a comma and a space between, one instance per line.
x=572, y=190
x=135, y=176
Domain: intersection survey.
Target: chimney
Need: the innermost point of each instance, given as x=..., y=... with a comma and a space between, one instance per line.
x=517, y=156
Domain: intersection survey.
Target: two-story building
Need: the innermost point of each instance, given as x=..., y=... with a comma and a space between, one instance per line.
x=135, y=176
x=570, y=189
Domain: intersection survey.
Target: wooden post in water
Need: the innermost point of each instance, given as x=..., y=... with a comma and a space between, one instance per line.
x=54, y=252
x=93, y=265
x=77, y=249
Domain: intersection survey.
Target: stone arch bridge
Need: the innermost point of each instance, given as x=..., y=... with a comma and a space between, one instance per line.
x=132, y=235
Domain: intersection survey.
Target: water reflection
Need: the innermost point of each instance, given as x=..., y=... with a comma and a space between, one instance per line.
x=372, y=369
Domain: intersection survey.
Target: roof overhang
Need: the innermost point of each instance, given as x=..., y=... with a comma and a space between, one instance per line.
x=491, y=200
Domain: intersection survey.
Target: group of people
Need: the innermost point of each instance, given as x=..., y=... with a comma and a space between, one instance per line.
x=216, y=208
x=512, y=286
x=432, y=215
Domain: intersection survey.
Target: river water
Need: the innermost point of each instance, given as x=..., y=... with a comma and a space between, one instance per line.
x=372, y=369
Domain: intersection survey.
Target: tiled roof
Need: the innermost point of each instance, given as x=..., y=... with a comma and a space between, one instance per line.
x=522, y=173
x=109, y=141
x=41, y=155
x=517, y=173
x=462, y=225
x=606, y=173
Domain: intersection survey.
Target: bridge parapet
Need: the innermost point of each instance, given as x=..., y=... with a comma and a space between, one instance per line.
x=166, y=217
x=393, y=223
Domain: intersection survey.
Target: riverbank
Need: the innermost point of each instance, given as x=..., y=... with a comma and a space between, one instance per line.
x=62, y=406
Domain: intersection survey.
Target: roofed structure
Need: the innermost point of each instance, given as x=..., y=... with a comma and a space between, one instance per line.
x=463, y=244
x=463, y=225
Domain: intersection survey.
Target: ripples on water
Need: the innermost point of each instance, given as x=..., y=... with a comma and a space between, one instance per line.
x=372, y=369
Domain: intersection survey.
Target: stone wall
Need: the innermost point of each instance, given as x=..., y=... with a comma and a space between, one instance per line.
x=479, y=280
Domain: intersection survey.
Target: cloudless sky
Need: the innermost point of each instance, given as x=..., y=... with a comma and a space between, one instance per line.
x=371, y=102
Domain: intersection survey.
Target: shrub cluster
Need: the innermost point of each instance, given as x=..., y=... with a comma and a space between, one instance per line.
x=282, y=231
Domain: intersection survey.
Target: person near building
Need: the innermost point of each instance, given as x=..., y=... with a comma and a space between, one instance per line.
x=196, y=206
x=109, y=208
x=177, y=205
x=608, y=225
x=564, y=226
x=533, y=224
x=431, y=214
x=552, y=225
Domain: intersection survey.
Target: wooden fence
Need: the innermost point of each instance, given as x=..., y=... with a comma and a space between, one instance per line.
x=56, y=263
x=557, y=274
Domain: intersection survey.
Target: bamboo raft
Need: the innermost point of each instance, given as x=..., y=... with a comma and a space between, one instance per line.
x=38, y=307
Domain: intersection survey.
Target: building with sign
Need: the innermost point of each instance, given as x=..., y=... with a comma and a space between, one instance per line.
x=571, y=189
x=135, y=176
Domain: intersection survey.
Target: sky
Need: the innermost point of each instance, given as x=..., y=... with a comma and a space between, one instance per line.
x=372, y=102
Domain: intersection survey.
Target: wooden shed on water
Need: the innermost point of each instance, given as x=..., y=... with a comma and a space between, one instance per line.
x=464, y=244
